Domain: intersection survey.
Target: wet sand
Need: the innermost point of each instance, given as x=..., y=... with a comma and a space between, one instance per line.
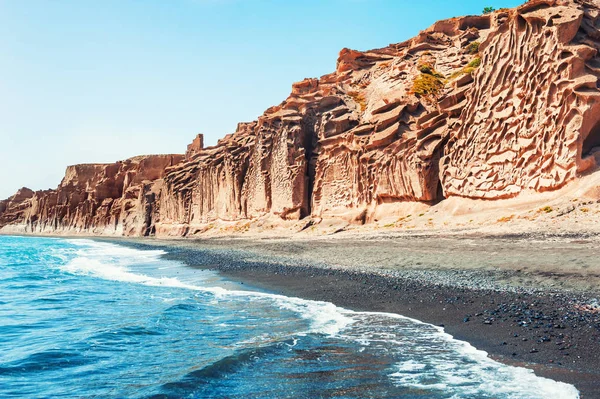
x=530, y=301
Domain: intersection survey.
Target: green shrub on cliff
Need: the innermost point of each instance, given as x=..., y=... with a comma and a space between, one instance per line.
x=427, y=85
x=427, y=69
x=473, y=48
x=424, y=68
x=475, y=63
x=469, y=69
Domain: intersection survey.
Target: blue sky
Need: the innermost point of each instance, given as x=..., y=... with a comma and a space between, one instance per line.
x=98, y=81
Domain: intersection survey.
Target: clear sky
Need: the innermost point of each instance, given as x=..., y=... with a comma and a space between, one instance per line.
x=102, y=80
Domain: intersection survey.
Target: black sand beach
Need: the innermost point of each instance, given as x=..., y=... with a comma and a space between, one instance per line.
x=510, y=313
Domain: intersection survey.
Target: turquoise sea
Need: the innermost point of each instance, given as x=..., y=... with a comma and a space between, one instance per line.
x=87, y=319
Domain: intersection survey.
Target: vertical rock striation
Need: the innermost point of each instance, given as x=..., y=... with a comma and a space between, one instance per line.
x=532, y=116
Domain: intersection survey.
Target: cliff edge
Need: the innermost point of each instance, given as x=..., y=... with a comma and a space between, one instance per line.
x=486, y=107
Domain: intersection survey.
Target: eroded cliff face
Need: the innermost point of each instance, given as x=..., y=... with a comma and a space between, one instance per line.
x=532, y=117
x=13, y=209
x=479, y=107
x=111, y=199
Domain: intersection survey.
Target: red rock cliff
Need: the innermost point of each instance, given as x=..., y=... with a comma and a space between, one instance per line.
x=479, y=107
x=111, y=199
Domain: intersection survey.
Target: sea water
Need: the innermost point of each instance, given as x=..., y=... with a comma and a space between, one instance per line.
x=87, y=319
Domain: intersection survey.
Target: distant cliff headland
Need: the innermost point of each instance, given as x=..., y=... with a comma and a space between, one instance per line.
x=477, y=108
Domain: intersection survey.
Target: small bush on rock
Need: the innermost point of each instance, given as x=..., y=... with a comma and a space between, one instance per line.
x=469, y=69
x=424, y=68
x=475, y=63
x=427, y=85
x=473, y=48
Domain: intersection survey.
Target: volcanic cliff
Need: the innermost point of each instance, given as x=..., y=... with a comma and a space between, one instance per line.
x=483, y=107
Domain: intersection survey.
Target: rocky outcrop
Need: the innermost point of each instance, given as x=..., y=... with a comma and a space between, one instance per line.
x=195, y=147
x=13, y=209
x=482, y=107
x=112, y=199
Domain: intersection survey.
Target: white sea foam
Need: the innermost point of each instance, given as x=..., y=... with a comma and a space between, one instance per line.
x=124, y=254
x=410, y=365
x=113, y=262
x=102, y=264
x=443, y=363
x=471, y=374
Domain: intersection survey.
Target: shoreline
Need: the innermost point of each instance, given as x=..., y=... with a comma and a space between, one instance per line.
x=553, y=330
